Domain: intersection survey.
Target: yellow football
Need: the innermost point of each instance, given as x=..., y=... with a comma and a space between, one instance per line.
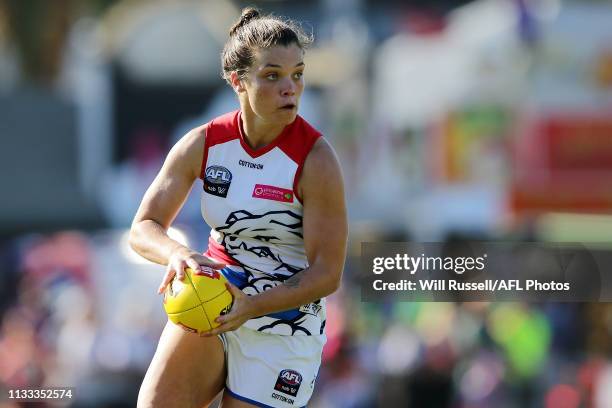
x=198, y=300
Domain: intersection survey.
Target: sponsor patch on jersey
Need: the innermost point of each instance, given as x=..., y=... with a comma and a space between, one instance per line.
x=288, y=382
x=266, y=192
x=217, y=180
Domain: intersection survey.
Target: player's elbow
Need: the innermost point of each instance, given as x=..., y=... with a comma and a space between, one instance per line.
x=332, y=283
x=334, y=286
x=134, y=236
x=329, y=273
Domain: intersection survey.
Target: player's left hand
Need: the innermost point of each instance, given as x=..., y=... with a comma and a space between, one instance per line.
x=241, y=312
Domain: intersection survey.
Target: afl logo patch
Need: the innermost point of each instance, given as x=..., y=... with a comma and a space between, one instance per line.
x=288, y=382
x=217, y=180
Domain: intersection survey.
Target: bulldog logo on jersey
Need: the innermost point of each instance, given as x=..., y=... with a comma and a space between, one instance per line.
x=217, y=180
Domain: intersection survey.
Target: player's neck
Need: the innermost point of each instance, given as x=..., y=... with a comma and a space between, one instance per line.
x=258, y=133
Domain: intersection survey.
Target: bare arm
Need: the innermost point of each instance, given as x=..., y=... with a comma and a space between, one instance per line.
x=325, y=236
x=160, y=205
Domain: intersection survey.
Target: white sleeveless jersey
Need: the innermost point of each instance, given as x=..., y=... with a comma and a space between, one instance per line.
x=249, y=199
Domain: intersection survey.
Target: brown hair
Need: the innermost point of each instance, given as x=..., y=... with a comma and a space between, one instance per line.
x=253, y=31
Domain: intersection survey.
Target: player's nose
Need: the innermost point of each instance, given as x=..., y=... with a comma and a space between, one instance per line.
x=288, y=88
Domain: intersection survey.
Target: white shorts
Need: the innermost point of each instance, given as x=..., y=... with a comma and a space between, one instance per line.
x=271, y=370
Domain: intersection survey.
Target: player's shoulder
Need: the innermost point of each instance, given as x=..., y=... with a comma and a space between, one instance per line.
x=189, y=150
x=322, y=174
x=227, y=120
x=302, y=137
x=186, y=154
x=192, y=142
x=306, y=128
x=319, y=151
x=322, y=155
x=222, y=129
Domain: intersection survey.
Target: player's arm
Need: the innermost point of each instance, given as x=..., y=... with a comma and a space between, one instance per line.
x=325, y=236
x=160, y=205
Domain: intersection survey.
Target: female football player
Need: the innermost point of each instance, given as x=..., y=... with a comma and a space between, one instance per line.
x=272, y=192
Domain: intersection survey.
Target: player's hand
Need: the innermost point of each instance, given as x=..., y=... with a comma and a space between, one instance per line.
x=241, y=311
x=182, y=258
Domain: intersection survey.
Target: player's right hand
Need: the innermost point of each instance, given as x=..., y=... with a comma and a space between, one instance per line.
x=182, y=258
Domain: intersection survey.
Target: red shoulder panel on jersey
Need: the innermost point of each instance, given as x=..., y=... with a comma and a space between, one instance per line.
x=298, y=145
x=219, y=130
x=303, y=137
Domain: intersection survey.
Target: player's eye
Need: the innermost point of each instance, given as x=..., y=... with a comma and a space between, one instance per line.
x=272, y=76
x=298, y=75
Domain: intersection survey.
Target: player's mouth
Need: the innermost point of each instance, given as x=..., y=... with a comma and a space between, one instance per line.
x=289, y=106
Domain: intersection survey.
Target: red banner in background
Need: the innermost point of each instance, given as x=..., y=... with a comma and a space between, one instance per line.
x=572, y=168
x=581, y=144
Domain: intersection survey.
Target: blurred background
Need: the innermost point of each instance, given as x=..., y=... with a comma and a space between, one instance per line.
x=455, y=121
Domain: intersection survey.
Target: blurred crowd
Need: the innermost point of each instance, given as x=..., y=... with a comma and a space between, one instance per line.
x=454, y=121
x=64, y=326
x=80, y=310
x=477, y=354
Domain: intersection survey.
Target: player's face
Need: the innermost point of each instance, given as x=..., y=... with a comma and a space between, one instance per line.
x=274, y=84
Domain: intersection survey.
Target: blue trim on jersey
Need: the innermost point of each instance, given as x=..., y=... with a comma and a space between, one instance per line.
x=250, y=401
x=238, y=279
x=286, y=315
x=245, y=399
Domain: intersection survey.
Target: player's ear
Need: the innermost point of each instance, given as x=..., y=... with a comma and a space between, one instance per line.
x=237, y=83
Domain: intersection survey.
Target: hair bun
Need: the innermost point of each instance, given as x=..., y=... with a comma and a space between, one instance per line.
x=248, y=14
